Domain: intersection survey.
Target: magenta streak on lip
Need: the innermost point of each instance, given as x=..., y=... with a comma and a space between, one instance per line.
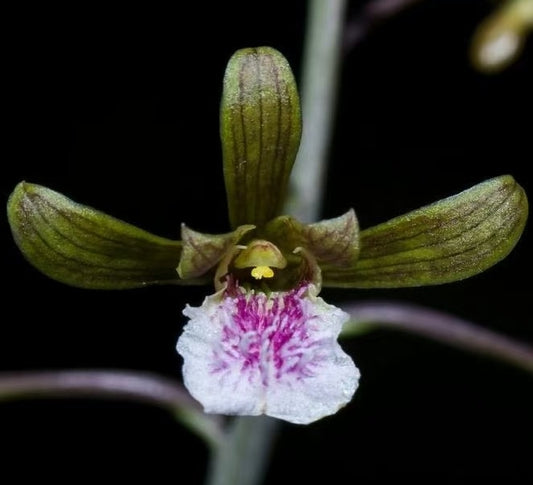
x=268, y=337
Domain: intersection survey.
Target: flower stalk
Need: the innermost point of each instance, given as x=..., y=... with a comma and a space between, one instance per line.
x=243, y=457
x=320, y=77
x=114, y=384
x=438, y=326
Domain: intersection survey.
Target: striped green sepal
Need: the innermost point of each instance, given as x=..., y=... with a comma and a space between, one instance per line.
x=449, y=240
x=83, y=247
x=260, y=125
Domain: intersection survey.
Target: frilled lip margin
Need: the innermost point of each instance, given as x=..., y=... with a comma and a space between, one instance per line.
x=249, y=353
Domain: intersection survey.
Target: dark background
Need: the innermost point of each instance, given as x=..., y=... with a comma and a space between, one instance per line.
x=119, y=110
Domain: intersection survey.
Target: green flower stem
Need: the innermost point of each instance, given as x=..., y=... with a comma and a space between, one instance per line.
x=320, y=69
x=243, y=458
x=110, y=384
x=438, y=326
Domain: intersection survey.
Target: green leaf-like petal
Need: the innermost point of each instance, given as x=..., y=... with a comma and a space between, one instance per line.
x=80, y=246
x=333, y=243
x=260, y=125
x=449, y=240
x=203, y=251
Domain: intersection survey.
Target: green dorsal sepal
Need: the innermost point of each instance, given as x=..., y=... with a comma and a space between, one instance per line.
x=260, y=131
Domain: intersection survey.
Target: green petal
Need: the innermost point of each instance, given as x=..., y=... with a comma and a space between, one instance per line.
x=260, y=125
x=203, y=251
x=449, y=240
x=333, y=243
x=80, y=246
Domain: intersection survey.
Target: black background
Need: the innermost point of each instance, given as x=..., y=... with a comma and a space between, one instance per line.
x=119, y=110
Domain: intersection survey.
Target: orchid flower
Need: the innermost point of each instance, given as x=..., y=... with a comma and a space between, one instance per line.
x=264, y=341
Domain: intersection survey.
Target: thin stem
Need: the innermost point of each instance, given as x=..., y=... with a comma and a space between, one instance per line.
x=441, y=327
x=320, y=69
x=112, y=384
x=243, y=458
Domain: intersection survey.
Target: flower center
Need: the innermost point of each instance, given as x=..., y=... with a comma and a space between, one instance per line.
x=261, y=256
x=262, y=272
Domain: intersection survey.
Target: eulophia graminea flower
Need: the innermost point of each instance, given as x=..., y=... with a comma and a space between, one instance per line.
x=265, y=342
